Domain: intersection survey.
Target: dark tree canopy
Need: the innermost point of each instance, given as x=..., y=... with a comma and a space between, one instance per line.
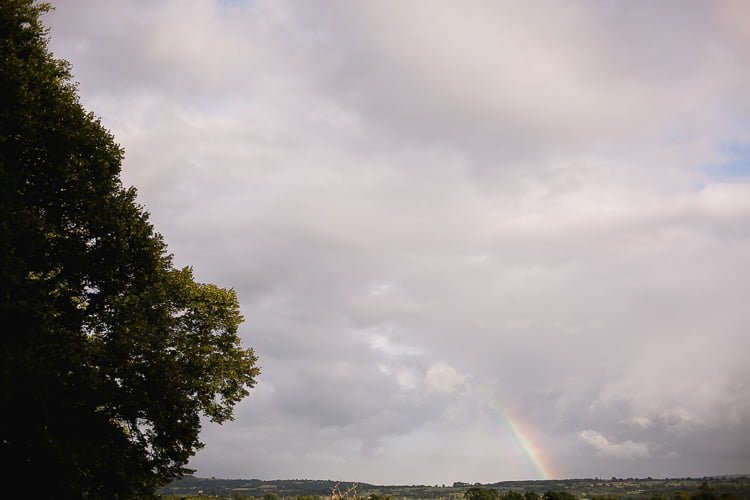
x=110, y=354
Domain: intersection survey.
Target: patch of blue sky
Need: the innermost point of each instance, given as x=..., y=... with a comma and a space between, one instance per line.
x=227, y=7
x=231, y=3
x=735, y=165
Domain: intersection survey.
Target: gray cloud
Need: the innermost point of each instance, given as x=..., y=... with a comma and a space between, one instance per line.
x=436, y=216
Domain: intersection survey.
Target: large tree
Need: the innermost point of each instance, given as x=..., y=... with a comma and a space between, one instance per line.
x=110, y=355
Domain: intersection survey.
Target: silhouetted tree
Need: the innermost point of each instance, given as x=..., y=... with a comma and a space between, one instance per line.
x=110, y=355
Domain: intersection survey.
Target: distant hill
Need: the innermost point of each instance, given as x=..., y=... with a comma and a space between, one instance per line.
x=724, y=487
x=190, y=485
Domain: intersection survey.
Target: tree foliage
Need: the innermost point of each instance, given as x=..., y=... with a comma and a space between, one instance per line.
x=110, y=353
x=481, y=493
x=558, y=495
x=705, y=492
x=513, y=495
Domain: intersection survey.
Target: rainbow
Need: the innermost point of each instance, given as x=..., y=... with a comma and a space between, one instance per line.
x=537, y=458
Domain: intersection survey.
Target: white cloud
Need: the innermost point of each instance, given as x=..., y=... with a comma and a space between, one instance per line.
x=626, y=449
x=640, y=421
x=442, y=378
x=379, y=339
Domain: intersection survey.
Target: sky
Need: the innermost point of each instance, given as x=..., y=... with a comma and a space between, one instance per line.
x=472, y=241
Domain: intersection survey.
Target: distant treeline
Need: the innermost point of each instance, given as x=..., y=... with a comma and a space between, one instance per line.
x=709, y=488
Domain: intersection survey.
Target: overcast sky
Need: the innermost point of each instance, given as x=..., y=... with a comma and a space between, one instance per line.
x=472, y=241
